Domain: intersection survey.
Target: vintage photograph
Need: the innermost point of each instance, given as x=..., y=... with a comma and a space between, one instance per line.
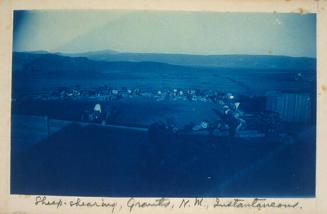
x=127, y=103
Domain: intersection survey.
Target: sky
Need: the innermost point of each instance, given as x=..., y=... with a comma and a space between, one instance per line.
x=205, y=33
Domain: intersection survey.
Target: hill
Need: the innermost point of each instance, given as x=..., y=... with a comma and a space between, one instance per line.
x=44, y=71
x=222, y=61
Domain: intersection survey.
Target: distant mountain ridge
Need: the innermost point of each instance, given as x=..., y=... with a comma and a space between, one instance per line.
x=223, y=61
x=41, y=62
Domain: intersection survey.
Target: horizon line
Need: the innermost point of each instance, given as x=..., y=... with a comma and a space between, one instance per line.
x=163, y=53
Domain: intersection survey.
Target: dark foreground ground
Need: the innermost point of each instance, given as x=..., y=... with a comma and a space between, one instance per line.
x=94, y=160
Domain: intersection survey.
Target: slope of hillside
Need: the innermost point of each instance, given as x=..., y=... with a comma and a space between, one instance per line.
x=44, y=71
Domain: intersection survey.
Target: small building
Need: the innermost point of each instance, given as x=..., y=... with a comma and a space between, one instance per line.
x=292, y=107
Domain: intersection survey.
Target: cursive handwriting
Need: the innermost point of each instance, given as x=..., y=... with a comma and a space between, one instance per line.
x=258, y=203
x=132, y=203
x=79, y=203
x=42, y=200
x=183, y=203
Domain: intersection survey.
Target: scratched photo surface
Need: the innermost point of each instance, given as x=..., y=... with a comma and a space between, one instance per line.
x=163, y=104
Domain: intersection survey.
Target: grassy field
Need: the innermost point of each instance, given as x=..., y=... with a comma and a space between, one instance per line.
x=137, y=111
x=247, y=82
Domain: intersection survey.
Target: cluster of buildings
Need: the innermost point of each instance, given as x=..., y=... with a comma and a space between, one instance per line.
x=107, y=93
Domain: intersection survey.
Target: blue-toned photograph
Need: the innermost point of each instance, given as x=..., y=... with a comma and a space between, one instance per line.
x=121, y=103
